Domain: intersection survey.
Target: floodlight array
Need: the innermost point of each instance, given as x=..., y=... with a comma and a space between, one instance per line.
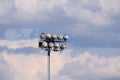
x=53, y=41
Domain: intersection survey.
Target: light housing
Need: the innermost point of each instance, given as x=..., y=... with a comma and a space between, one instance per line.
x=51, y=45
x=54, y=36
x=66, y=37
x=53, y=41
x=56, y=45
x=56, y=49
x=48, y=35
x=60, y=36
x=43, y=36
x=44, y=44
x=63, y=46
x=40, y=44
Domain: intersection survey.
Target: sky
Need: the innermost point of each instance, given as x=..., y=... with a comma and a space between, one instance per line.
x=93, y=49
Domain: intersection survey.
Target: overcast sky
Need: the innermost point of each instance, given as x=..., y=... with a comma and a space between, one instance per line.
x=93, y=51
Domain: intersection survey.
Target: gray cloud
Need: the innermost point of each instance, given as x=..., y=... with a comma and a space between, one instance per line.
x=39, y=10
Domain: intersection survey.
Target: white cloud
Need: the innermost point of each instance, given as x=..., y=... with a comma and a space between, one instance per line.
x=84, y=66
x=34, y=9
x=33, y=66
x=93, y=67
x=19, y=43
x=29, y=6
x=110, y=7
x=98, y=12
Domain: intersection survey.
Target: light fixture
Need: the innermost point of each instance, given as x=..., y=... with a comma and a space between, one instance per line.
x=52, y=42
x=54, y=36
x=63, y=46
x=56, y=45
x=44, y=44
x=60, y=36
x=66, y=37
x=51, y=45
x=43, y=35
x=48, y=35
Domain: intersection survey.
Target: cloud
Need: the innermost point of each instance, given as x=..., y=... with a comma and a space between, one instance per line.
x=32, y=67
x=84, y=66
x=93, y=11
x=5, y=69
x=86, y=11
x=111, y=8
x=92, y=67
x=26, y=5
x=19, y=43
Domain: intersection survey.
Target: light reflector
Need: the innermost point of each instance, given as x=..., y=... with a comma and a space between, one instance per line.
x=60, y=36
x=51, y=45
x=48, y=35
x=44, y=44
x=56, y=45
x=54, y=36
x=63, y=46
x=43, y=35
x=66, y=37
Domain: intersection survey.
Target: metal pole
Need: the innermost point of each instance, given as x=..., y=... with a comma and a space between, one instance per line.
x=49, y=64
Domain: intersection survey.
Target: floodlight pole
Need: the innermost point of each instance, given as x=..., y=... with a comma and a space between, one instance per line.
x=48, y=63
x=55, y=46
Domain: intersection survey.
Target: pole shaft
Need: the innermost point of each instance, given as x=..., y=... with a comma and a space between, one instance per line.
x=48, y=64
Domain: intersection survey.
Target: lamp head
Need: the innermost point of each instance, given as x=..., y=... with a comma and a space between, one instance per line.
x=43, y=36
x=51, y=45
x=63, y=46
x=53, y=41
x=56, y=45
x=44, y=44
x=66, y=37
x=48, y=35
x=60, y=36
x=54, y=36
